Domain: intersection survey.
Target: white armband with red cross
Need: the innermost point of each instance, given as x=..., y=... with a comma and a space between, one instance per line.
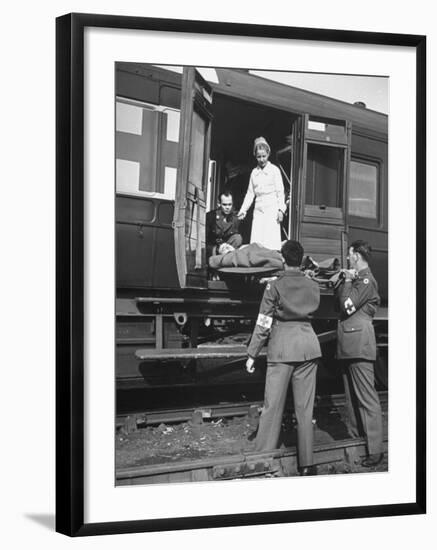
x=264, y=321
x=349, y=306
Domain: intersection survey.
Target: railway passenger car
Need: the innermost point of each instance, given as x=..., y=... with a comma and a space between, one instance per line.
x=182, y=136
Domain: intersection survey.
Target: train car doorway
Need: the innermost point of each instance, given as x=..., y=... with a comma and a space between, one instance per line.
x=216, y=154
x=236, y=123
x=216, y=137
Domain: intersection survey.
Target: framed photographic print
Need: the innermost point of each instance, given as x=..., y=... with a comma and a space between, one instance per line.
x=240, y=292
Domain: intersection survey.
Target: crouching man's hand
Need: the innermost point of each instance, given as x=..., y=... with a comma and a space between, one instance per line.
x=250, y=365
x=224, y=248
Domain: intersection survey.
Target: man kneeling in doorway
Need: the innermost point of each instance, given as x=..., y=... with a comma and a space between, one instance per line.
x=222, y=227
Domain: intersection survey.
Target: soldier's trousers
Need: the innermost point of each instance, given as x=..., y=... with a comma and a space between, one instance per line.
x=303, y=381
x=362, y=396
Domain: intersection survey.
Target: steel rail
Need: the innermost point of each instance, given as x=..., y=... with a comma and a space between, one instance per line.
x=222, y=410
x=278, y=463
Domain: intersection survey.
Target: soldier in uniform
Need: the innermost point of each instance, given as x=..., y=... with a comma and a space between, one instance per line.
x=292, y=354
x=358, y=300
x=222, y=227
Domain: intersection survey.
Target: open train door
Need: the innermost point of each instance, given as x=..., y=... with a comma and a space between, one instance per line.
x=322, y=170
x=296, y=172
x=192, y=176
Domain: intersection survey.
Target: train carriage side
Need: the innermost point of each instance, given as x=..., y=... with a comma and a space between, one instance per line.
x=180, y=140
x=334, y=155
x=368, y=199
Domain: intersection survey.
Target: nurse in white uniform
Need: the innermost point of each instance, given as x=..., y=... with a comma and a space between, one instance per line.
x=266, y=187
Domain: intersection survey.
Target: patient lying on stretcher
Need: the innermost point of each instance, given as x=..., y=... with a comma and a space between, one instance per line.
x=254, y=255
x=250, y=255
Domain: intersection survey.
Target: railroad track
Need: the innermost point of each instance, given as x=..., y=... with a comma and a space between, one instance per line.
x=131, y=422
x=278, y=463
x=333, y=456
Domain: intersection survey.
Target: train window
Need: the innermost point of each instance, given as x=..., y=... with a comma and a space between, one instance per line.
x=172, y=130
x=146, y=148
x=324, y=175
x=129, y=118
x=363, y=189
x=197, y=150
x=127, y=176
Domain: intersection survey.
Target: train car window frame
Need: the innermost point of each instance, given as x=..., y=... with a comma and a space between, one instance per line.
x=161, y=174
x=320, y=132
x=363, y=221
x=339, y=170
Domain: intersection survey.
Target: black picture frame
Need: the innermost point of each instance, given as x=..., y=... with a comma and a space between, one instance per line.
x=70, y=273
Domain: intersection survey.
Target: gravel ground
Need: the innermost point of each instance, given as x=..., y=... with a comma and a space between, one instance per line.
x=225, y=436
x=170, y=443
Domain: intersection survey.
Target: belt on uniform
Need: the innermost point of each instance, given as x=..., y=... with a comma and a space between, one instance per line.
x=303, y=321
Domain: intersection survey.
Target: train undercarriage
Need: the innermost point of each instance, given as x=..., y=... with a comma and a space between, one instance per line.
x=198, y=339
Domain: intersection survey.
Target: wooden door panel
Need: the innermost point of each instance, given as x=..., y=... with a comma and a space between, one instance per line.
x=323, y=188
x=193, y=158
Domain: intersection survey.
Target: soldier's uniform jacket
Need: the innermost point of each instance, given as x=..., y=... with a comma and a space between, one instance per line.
x=358, y=301
x=220, y=227
x=283, y=319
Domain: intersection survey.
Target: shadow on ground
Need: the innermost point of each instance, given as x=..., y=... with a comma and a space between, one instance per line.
x=46, y=520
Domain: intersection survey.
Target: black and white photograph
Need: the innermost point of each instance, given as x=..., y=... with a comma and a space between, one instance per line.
x=240, y=299
x=251, y=261
x=217, y=296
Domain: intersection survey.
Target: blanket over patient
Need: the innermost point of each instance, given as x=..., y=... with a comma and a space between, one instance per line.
x=252, y=255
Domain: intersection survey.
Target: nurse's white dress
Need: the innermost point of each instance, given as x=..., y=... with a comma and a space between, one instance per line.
x=266, y=187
